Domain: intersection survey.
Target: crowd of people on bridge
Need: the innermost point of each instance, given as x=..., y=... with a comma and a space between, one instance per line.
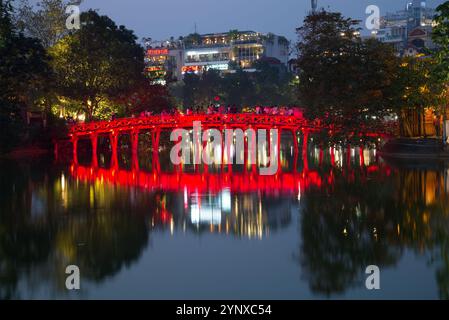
x=230, y=109
x=214, y=109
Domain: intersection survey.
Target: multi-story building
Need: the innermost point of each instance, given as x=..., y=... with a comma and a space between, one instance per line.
x=225, y=52
x=164, y=61
x=204, y=52
x=408, y=30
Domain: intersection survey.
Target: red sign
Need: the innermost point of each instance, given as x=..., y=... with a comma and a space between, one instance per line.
x=188, y=69
x=157, y=52
x=150, y=69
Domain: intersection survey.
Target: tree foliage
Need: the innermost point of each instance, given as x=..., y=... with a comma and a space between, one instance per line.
x=45, y=21
x=441, y=38
x=24, y=72
x=343, y=79
x=145, y=97
x=416, y=89
x=268, y=86
x=99, y=61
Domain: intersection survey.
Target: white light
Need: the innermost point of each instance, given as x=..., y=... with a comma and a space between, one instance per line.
x=62, y=182
x=186, y=201
x=226, y=200
x=222, y=66
x=203, y=214
x=194, y=53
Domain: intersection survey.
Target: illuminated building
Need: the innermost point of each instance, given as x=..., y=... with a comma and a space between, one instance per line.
x=195, y=53
x=227, y=51
x=163, y=61
x=408, y=30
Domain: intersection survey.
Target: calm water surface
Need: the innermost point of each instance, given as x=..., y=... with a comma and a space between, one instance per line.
x=204, y=234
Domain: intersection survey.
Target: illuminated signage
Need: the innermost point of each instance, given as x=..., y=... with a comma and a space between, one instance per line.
x=191, y=69
x=152, y=69
x=220, y=66
x=157, y=52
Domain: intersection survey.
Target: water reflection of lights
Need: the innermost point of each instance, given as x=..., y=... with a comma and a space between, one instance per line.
x=229, y=200
x=235, y=182
x=208, y=209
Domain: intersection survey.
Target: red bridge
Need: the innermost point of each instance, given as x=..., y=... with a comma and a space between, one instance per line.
x=296, y=125
x=155, y=124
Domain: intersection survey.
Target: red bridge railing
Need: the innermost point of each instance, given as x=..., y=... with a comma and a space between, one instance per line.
x=214, y=120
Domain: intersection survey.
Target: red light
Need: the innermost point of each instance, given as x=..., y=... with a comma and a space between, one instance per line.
x=187, y=69
x=157, y=52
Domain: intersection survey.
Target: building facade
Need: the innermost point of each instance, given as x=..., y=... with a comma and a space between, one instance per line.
x=409, y=31
x=163, y=61
x=225, y=52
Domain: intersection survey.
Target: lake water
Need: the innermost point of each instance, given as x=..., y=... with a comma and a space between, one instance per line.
x=309, y=234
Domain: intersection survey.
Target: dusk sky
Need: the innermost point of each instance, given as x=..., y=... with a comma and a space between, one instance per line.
x=160, y=19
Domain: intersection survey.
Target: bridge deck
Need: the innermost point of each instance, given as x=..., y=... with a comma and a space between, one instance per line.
x=186, y=121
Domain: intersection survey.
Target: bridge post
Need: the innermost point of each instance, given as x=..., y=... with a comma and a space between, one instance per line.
x=254, y=152
x=94, y=142
x=113, y=138
x=135, y=149
x=245, y=152
x=305, y=147
x=295, y=150
x=156, y=134
x=228, y=137
x=204, y=151
x=269, y=155
x=279, y=150
x=332, y=156
x=362, y=156
x=348, y=156
x=75, y=149
x=223, y=138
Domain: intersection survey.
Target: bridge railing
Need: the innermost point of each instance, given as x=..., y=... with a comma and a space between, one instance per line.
x=171, y=121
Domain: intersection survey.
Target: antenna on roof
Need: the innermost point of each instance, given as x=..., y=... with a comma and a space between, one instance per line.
x=196, y=29
x=314, y=5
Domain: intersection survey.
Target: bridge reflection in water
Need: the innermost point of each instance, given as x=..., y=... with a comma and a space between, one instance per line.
x=216, y=197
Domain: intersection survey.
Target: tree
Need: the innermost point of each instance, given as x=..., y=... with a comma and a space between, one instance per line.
x=343, y=80
x=24, y=71
x=200, y=90
x=238, y=88
x=192, y=39
x=273, y=84
x=234, y=34
x=100, y=61
x=441, y=38
x=47, y=23
x=145, y=97
x=190, y=90
x=269, y=85
x=413, y=91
